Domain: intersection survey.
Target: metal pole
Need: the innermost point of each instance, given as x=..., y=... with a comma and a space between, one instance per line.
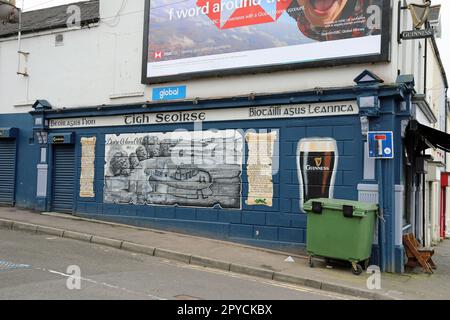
x=19, y=37
x=399, y=16
x=381, y=224
x=424, y=203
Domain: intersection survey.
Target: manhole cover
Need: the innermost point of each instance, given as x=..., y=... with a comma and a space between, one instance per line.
x=7, y=265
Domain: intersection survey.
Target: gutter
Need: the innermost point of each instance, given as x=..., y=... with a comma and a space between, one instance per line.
x=50, y=31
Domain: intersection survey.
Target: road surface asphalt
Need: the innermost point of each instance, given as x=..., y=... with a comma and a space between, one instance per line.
x=42, y=267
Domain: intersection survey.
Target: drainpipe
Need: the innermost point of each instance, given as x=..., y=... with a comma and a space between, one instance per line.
x=381, y=226
x=425, y=69
x=424, y=204
x=19, y=37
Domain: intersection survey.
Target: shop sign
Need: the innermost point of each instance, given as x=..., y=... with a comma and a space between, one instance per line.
x=58, y=140
x=169, y=93
x=340, y=108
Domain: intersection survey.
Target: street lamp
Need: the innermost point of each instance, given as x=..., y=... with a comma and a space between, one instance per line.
x=42, y=137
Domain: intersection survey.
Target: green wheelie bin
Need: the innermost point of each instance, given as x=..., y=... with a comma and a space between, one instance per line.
x=341, y=230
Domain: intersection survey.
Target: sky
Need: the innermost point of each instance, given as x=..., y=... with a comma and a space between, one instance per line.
x=444, y=43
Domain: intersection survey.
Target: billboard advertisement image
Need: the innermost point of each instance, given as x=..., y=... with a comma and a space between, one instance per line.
x=194, y=38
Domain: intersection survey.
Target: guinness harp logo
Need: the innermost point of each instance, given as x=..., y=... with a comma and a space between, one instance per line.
x=318, y=161
x=419, y=13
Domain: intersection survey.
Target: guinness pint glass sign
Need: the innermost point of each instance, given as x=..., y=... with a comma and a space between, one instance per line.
x=317, y=160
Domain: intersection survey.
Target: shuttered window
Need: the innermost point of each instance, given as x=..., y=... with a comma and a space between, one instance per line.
x=63, y=191
x=8, y=152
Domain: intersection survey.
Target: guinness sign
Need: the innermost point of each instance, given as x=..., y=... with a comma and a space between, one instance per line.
x=417, y=34
x=317, y=160
x=419, y=13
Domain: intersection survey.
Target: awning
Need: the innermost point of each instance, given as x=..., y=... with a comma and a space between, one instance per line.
x=424, y=137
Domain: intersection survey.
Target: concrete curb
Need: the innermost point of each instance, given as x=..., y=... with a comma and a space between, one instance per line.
x=50, y=231
x=77, y=236
x=190, y=259
x=282, y=277
x=251, y=271
x=173, y=255
x=20, y=226
x=210, y=263
x=138, y=248
x=107, y=242
x=6, y=224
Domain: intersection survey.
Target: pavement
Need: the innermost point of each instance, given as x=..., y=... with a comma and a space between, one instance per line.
x=43, y=268
x=236, y=258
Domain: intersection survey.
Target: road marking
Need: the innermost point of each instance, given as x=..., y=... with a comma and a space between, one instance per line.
x=272, y=283
x=102, y=284
x=7, y=265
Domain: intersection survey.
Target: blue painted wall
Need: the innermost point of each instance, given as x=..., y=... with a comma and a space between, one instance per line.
x=281, y=226
x=27, y=157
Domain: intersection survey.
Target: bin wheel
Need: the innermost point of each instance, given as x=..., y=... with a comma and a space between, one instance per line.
x=310, y=262
x=356, y=269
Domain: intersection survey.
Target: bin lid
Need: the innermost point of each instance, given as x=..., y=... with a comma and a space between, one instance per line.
x=360, y=208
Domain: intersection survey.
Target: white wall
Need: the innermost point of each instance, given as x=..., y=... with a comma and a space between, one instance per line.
x=102, y=65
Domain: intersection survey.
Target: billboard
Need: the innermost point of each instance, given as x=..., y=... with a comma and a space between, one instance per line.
x=184, y=39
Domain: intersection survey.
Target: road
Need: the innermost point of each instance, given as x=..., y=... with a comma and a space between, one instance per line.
x=36, y=267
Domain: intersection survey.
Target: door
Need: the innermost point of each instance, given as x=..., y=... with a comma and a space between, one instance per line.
x=8, y=152
x=442, y=213
x=63, y=190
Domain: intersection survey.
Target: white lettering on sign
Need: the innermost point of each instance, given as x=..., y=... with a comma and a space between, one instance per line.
x=227, y=114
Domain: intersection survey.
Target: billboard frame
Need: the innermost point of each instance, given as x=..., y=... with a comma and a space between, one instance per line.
x=384, y=56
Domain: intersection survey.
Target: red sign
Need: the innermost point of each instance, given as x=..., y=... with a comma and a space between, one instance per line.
x=249, y=12
x=158, y=54
x=380, y=137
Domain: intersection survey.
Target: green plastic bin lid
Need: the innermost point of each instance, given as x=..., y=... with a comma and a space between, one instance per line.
x=359, y=208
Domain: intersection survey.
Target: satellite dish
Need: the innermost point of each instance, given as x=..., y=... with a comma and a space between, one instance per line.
x=9, y=13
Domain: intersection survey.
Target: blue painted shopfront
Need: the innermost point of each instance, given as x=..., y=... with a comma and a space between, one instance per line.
x=282, y=226
x=26, y=153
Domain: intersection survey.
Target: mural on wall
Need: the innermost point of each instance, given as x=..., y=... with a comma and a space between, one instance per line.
x=87, y=167
x=193, y=169
x=317, y=161
x=260, y=168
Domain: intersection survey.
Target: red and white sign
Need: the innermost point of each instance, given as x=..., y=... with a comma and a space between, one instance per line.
x=158, y=54
x=246, y=13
